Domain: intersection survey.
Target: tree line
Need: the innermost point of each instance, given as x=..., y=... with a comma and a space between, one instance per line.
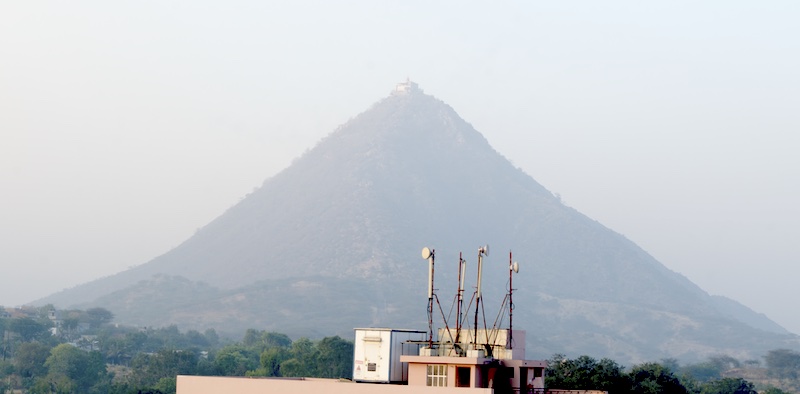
x=88, y=354
x=717, y=375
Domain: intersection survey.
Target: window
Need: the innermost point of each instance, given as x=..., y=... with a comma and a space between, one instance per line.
x=462, y=376
x=437, y=375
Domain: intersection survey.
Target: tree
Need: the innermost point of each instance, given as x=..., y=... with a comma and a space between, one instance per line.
x=28, y=329
x=73, y=370
x=148, y=369
x=115, y=349
x=211, y=337
x=6, y=370
x=135, y=342
x=783, y=363
x=728, y=386
x=270, y=361
x=275, y=339
x=69, y=326
x=235, y=360
x=30, y=359
x=585, y=373
x=167, y=385
x=724, y=362
x=293, y=367
x=251, y=337
x=98, y=316
x=654, y=378
x=195, y=338
x=334, y=358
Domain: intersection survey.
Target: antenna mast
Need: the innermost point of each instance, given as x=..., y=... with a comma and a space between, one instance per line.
x=462, y=273
x=429, y=255
x=482, y=251
x=512, y=267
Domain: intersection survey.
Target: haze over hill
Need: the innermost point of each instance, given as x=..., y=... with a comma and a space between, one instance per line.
x=333, y=242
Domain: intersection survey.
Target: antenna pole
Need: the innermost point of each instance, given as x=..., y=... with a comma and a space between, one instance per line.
x=510, y=301
x=461, y=267
x=430, y=299
x=482, y=251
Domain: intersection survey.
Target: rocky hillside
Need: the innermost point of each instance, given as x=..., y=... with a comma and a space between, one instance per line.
x=333, y=243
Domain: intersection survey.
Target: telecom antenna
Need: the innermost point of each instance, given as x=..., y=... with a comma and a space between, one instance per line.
x=482, y=251
x=462, y=274
x=428, y=254
x=512, y=268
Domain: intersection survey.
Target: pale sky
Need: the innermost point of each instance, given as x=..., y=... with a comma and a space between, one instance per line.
x=127, y=125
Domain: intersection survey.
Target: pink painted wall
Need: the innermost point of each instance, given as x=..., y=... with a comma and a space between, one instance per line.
x=216, y=385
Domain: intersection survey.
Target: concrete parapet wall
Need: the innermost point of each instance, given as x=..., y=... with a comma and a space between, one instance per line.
x=239, y=385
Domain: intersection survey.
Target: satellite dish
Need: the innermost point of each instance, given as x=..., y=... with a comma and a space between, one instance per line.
x=426, y=253
x=515, y=267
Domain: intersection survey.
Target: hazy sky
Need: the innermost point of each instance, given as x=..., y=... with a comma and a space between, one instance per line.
x=126, y=126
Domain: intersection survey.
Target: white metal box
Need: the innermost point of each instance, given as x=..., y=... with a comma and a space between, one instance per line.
x=377, y=353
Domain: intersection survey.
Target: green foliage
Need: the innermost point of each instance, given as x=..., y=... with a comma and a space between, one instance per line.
x=156, y=356
x=263, y=340
x=274, y=339
x=293, y=367
x=728, y=386
x=98, y=316
x=196, y=339
x=585, y=373
x=331, y=357
x=301, y=362
x=270, y=362
x=211, y=337
x=30, y=359
x=167, y=385
x=334, y=358
x=148, y=369
x=29, y=329
x=6, y=371
x=654, y=378
x=235, y=360
x=70, y=369
x=251, y=337
x=276, y=350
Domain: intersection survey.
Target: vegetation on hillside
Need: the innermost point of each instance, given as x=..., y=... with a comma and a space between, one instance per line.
x=44, y=352
x=717, y=375
x=81, y=352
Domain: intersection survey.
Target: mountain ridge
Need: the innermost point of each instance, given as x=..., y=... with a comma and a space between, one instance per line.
x=408, y=172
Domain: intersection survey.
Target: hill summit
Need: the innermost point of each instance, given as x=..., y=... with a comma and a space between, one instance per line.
x=332, y=242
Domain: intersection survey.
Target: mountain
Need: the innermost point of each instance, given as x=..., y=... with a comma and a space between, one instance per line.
x=333, y=242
